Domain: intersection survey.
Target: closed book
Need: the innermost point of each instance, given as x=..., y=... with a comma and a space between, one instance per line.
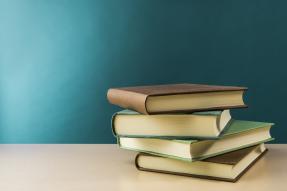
x=177, y=98
x=198, y=125
x=227, y=167
x=240, y=134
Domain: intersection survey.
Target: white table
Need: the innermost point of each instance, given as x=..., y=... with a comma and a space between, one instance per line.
x=93, y=167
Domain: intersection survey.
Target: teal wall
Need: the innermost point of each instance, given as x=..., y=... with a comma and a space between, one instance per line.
x=59, y=57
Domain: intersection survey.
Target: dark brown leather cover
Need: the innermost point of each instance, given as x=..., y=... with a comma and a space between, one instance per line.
x=135, y=97
x=231, y=158
x=222, y=159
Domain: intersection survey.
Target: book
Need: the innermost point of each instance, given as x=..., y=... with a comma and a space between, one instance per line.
x=201, y=125
x=240, y=134
x=177, y=98
x=227, y=167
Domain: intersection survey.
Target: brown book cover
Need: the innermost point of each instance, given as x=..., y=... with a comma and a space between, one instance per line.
x=231, y=158
x=135, y=98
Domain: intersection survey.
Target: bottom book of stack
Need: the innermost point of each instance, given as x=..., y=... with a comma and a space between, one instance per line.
x=227, y=167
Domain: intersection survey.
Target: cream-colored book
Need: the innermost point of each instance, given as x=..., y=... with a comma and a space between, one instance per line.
x=202, y=125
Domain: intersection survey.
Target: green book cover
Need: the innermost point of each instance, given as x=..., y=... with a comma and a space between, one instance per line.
x=236, y=127
x=131, y=112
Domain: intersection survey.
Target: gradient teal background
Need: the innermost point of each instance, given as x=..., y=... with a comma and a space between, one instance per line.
x=59, y=57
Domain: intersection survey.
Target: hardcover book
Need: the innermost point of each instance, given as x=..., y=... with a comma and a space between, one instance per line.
x=201, y=125
x=227, y=167
x=240, y=134
x=177, y=98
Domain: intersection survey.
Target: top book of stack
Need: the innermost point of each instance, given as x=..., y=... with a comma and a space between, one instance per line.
x=177, y=98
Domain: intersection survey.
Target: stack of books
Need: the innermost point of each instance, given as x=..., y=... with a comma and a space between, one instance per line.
x=187, y=129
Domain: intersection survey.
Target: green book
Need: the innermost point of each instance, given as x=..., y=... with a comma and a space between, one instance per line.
x=198, y=125
x=240, y=134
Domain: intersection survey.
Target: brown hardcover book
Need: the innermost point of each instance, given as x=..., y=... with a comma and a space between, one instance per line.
x=227, y=167
x=175, y=98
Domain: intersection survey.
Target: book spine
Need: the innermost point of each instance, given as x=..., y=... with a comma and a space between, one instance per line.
x=113, y=124
x=136, y=161
x=128, y=100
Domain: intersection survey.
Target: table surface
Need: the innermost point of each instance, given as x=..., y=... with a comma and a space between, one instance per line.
x=92, y=167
